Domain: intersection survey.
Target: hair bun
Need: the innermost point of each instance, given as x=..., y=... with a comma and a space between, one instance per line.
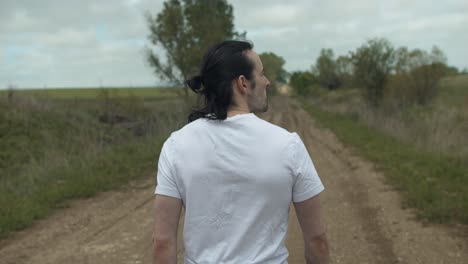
x=195, y=83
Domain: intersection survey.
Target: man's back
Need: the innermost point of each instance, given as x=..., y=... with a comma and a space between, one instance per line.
x=236, y=178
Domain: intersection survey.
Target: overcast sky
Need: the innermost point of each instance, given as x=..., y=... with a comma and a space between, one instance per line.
x=52, y=43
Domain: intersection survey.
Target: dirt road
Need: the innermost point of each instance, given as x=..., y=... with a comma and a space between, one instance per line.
x=364, y=220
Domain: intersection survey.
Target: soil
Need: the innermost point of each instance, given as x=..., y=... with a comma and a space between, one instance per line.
x=364, y=218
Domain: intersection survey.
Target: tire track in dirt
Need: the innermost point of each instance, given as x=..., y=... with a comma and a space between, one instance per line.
x=355, y=193
x=365, y=221
x=370, y=245
x=113, y=227
x=363, y=216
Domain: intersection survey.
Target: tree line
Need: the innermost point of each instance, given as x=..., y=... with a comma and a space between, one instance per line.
x=406, y=76
x=185, y=28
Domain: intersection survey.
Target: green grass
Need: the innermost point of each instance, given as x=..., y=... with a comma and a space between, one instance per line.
x=435, y=184
x=83, y=93
x=53, y=150
x=80, y=177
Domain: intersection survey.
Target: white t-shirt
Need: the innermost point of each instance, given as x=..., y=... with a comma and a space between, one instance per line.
x=237, y=179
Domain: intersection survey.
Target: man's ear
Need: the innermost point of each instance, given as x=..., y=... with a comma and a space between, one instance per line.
x=241, y=84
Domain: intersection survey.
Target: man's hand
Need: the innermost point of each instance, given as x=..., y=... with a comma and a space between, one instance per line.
x=315, y=239
x=166, y=223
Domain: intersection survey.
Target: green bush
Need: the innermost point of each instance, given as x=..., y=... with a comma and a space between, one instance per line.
x=301, y=82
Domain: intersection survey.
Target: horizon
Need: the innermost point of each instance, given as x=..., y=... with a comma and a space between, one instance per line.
x=94, y=87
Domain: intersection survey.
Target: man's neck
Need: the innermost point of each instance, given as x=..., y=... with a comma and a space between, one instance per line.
x=232, y=111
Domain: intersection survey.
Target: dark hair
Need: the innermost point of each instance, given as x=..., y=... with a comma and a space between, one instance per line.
x=221, y=64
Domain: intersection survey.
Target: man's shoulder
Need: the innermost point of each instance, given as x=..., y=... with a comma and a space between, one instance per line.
x=187, y=132
x=272, y=127
x=279, y=135
x=190, y=128
x=256, y=125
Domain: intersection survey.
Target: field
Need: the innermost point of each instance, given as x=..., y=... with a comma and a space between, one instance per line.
x=363, y=215
x=62, y=144
x=83, y=141
x=90, y=93
x=455, y=91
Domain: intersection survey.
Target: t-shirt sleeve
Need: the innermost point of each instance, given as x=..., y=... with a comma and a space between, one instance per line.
x=307, y=183
x=166, y=178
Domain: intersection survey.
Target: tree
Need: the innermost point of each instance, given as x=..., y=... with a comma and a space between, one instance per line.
x=325, y=68
x=184, y=29
x=301, y=82
x=273, y=66
x=417, y=74
x=402, y=57
x=451, y=71
x=373, y=63
x=344, y=70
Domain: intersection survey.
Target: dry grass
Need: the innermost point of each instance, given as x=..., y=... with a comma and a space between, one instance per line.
x=423, y=150
x=439, y=127
x=433, y=183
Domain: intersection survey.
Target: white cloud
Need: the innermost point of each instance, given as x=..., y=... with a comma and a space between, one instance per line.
x=441, y=22
x=84, y=43
x=68, y=37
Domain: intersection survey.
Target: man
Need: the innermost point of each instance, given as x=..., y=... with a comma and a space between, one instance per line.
x=234, y=173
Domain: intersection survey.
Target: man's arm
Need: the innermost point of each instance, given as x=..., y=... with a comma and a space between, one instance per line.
x=313, y=230
x=166, y=223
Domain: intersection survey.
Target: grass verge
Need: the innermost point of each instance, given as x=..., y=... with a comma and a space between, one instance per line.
x=53, y=150
x=435, y=184
x=79, y=177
